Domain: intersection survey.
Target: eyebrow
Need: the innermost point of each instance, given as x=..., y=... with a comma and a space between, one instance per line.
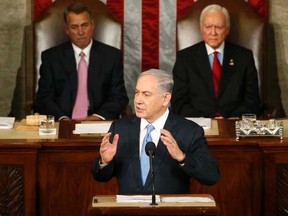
x=146, y=91
x=81, y=24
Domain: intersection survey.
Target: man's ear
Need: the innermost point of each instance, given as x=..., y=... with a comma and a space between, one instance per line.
x=166, y=98
x=93, y=24
x=66, y=28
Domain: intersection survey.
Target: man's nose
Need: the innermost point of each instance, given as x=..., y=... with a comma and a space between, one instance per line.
x=137, y=98
x=80, y=30
x=213, y=30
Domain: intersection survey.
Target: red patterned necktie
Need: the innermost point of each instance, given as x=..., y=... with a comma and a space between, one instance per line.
x=216, y=68
x=81, y=104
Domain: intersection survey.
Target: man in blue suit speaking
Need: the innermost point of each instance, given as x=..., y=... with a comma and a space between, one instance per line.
x=181, y=149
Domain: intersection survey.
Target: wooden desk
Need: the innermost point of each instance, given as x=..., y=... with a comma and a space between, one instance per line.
x=54, y=175
x=107, y=205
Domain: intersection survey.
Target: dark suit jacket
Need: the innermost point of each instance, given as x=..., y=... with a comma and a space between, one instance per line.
x=193, y=93
x=170, y=177
x=58, y=81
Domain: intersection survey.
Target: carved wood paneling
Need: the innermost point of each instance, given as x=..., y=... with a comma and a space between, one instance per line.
x=282, y=189
x=11, y=190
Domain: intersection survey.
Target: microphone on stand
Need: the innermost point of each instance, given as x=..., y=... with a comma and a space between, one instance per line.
x=150, y=151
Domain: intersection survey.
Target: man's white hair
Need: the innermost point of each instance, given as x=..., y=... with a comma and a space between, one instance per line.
x=214, y=8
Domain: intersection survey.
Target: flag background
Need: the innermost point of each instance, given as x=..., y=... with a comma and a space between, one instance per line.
x=149, y=31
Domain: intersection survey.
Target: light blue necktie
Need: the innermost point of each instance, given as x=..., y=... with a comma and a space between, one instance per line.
x=144, y=160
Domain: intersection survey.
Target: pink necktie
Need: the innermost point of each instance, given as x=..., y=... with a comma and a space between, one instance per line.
x=81, y=104
x=216, y=68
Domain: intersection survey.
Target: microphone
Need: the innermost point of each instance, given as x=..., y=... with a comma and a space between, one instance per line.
x=150, y=151
x=150, y=148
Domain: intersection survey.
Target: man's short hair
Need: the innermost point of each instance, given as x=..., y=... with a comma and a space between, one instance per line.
x=77, y=8
x=165, y=79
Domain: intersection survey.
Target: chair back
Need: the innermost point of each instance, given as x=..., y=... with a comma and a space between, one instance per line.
x=49, y=28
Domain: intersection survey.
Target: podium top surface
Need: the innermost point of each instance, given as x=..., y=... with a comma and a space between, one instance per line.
x=107, y=205
x=163, y=201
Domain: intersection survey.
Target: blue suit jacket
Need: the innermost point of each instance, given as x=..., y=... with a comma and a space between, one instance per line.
x=193, y=93
x=170, y=177
x=58, y=81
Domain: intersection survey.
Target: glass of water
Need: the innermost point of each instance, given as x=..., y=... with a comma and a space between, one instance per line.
x=248, y=119
x=47, y=126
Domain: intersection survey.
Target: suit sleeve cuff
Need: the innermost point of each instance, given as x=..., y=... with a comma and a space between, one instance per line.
x=99, y=116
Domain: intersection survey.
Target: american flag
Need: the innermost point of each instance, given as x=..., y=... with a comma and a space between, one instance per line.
x=149, y=32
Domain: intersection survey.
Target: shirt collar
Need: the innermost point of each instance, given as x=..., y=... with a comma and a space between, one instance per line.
x=220, y=49
x=158, y=124
x=86, y=50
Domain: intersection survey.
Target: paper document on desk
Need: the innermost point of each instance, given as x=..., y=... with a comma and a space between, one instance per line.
x=186, y=199
x=92, y=128
x=7, y=122
x=136, y=198
x=205, y=123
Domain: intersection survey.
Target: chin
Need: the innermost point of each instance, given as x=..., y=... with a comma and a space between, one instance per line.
x=215, y=45
x=139, y=114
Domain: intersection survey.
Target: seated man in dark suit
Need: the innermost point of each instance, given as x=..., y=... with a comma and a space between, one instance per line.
x=205, y=88
x=181, y=149
x=97, y=90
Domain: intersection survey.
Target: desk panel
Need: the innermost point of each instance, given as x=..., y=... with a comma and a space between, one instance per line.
x=239, y=189
x=66, y=185
x=17, y=179
x=56, y=173
x=276, y=178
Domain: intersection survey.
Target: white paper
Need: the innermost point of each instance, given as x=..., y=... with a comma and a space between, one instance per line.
x=205, y=123
x=92, y=128
x=186, y=199
x=136, y=198
x=7, y=122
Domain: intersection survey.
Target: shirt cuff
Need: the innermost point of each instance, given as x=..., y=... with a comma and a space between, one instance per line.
x=62, y=117
x=102, y=165
x=99, y=116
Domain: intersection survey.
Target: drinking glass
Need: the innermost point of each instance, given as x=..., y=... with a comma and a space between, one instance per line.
x=248, y=119
x=47, y=126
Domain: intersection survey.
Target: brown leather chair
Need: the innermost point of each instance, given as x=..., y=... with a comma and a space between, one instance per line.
x=248, y=29
x=48, y=31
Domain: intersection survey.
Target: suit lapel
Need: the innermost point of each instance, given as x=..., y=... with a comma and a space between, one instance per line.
x=70, y=68
x=96, y=61
x=161, y=150
x=227, y=68
x=134, y=134
x=95, y=68
x=205, y=68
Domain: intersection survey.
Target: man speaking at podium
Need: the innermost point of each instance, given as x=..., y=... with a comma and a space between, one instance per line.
x=181, y=149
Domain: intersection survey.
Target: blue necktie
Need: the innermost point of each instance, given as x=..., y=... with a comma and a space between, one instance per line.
x=144, y=160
